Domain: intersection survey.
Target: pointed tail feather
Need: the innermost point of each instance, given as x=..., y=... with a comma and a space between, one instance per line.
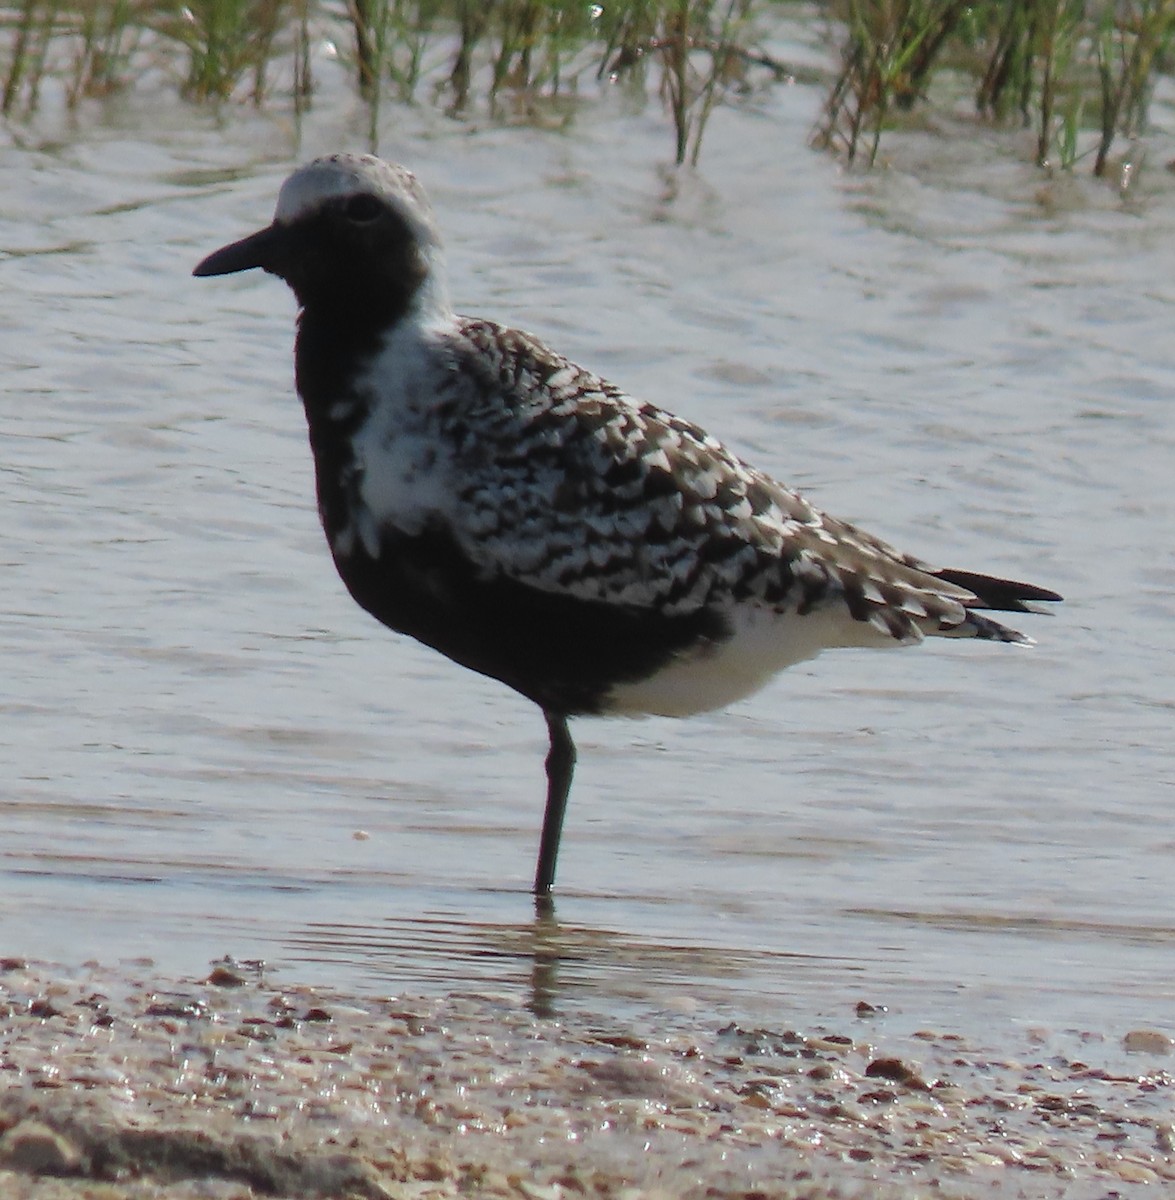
x=1003, y=595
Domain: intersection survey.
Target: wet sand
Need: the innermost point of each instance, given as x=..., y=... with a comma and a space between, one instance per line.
x=116, y=1082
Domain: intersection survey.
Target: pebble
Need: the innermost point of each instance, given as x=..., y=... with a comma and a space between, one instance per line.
x=1147, y=1041
x=223, y=976
x=898, y=1071
x=35, y=1148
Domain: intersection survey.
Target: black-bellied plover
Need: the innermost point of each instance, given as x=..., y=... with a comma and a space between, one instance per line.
x=529, y=520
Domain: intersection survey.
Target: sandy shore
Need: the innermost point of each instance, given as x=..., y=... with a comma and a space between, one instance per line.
x=115, y=1083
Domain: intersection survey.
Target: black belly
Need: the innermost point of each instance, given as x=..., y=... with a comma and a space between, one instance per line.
x=563, y=653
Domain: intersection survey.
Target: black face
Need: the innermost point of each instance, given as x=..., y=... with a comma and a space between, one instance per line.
x=352, y=258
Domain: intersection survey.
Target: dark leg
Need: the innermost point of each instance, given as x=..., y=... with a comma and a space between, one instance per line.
x=560, y=767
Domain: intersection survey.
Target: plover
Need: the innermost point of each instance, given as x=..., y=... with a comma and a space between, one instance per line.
x=531, y=521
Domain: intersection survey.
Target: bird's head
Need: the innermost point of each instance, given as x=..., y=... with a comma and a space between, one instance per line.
x=350, y=232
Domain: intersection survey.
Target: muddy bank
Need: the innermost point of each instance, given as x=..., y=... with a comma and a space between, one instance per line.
x=118, y=1083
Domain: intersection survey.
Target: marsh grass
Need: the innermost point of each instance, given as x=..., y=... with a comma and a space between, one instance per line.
x=1132, y=39
x=700, y=51
x=1077, y=72
x=886, y=57
x=227, y=42
x=106, y=39
x=32, y=32
x=525, y=57
x=522, y=59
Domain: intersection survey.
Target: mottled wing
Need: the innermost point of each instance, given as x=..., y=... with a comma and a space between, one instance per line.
x=574, y=488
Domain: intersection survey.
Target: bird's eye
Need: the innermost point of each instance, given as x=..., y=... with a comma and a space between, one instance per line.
x=362, y=208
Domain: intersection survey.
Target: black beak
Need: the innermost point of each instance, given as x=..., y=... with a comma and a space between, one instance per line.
x=261, y=249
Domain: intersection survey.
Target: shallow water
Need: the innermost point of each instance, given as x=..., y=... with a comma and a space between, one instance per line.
x=207, y=749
